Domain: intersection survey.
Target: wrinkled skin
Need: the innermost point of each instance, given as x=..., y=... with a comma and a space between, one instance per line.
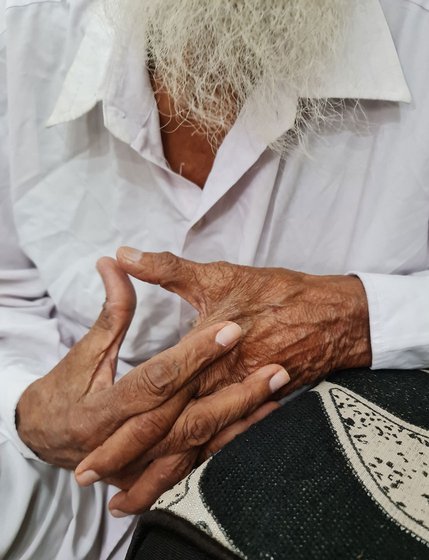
x=203, y=428
x=312, y=325
x=145, y=432
x=309, y=324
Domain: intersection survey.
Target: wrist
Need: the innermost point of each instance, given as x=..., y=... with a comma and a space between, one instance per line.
x=356, y=347
x=350, y=327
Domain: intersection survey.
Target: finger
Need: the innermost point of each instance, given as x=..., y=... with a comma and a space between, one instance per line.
x=116, y=317
x=144, y=390
x=131, y=440
x=126, y=477
x=183, y=277
x=166, y=471
x=119, y=307
x=207, y=416
x=97, y=351
x=150, y=384
x=230, y=432
x=299, y=383
x=160, y=476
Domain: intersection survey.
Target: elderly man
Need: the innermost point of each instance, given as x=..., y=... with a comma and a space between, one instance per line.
x=281, y=142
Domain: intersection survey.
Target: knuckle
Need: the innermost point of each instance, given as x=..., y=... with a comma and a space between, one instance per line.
x=166, y=258
x=167, y=262
x=153, y=379
x=199, y=428
x=160, y=376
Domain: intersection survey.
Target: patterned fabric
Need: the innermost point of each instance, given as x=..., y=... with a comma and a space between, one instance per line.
x=340, y=472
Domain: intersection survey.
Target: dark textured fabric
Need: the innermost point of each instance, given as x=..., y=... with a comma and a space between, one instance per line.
x=320, y=478
x=295, y=497
x=403, y=393
x=163, y=536
x=161, y=544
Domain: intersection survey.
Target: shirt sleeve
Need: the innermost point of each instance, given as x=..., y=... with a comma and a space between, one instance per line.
x=399, y=319
x=29, y=338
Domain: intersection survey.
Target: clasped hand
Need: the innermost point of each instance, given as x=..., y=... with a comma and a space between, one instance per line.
x=144, y=432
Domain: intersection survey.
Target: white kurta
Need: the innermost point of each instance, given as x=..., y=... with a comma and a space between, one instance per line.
x=96, y=179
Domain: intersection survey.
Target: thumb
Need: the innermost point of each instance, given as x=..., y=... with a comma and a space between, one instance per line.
x=184, y=278
x=119, y=306
x=104, y=339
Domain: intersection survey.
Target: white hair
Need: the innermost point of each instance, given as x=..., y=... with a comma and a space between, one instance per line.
x=210, y=55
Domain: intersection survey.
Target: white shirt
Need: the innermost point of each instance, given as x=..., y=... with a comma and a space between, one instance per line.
x=96, y=179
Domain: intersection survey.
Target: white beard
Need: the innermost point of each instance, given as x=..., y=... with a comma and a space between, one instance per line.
x=210, y=55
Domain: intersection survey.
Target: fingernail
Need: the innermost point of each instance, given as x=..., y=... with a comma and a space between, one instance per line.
x=229, y=334
x=86, y=478
x=118, y=513
x=280, y=379
x=130, y=254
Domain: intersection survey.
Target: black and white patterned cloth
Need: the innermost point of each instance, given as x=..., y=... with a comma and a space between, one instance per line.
x=340, y=472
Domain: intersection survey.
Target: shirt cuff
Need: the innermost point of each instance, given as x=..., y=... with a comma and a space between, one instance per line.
x=18, y=380
x=399, y=319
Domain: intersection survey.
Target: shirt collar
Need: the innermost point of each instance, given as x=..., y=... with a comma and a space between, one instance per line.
x=367, y=68
x=102, y=73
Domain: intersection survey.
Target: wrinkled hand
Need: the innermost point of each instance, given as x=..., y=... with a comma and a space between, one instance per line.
x=204, y=427
x=311, y=325
x=131, y=425
x=76, y=407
